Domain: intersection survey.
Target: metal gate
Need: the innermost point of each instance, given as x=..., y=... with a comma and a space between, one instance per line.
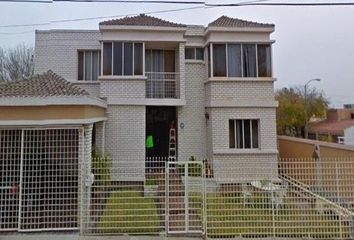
x=184, y=197
x=39, y=179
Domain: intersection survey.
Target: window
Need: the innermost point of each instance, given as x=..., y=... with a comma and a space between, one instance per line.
x=264, y=61
x=122, y=58
x=234, y=60
x=241, y=60
x=88, y=65
x=243, y=133
x=159, y=60
x=219, y=60
x=194, y=53
x=249, y=60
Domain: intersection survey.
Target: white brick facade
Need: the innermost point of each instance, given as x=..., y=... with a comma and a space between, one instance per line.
x=192, y=138
x=57, y=50
x=125, y=141
x=204, y=106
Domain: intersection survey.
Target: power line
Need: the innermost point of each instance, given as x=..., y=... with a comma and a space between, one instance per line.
x=133, y=1
x=27, y=1
x=280, y=4
x=96, y=18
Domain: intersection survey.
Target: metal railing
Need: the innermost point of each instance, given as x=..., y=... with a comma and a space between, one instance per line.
x=308, y=198
x=162, y=85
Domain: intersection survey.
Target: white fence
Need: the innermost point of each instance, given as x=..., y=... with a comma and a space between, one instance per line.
x=39, y=179
x=310, y=199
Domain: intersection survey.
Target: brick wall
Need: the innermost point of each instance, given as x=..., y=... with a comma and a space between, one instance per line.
x=236, y=91
x=125, y=141
x=220, y=125
x=123, y=89
x=192, y=138
x=57, y=50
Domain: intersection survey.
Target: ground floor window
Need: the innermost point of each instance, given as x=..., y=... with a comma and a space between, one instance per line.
x=243, y=133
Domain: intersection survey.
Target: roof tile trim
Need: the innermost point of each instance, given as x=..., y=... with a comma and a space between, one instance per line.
x=142, y=20
x=225, y=21
x=42, y=85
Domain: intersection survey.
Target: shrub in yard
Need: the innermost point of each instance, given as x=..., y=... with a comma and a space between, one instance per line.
x=101, y=167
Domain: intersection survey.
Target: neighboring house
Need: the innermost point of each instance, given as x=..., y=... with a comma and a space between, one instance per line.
x=338, y=127
x=136, y=77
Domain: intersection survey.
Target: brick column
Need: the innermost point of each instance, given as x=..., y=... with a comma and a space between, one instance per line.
x=85, y=188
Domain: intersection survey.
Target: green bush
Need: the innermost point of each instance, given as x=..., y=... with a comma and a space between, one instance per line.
x=101, y=167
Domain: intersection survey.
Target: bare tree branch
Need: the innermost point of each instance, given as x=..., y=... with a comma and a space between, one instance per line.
x=16, y=63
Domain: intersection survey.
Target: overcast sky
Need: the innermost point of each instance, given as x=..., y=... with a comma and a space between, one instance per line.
x=311, y=42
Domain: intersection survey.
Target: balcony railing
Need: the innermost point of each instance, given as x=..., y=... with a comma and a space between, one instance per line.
x=162, y=85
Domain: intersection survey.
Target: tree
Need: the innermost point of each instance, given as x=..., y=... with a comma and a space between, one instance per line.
x=16, y=63
x=291, y=110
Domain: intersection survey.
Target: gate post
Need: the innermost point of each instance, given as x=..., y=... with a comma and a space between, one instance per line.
x=85, y=178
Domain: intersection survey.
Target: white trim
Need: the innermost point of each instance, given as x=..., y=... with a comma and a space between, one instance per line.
x=120, y=77
x=67, y=31
x=47, y=101
x=236, y=29
x=236, y=151
x=143, y=28
x=244, y=103
x=194, y=61
x=51, y=122
x=240, y=79
x=147, y=101
x=83, y=82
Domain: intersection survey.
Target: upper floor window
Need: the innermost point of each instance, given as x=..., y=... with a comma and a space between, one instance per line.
x=194, y=53
x=122, y=58
x=241, y=60
x=157, y=60
x=244, y=133
x=88, y=65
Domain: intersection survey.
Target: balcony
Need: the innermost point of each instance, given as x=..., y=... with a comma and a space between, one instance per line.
x=162, y=85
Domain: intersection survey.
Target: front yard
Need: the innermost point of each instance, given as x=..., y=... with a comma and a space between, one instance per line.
x=226, y=215
x=129, y=212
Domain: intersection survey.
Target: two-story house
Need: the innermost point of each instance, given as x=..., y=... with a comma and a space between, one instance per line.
x=136, y=78
x=215, y=83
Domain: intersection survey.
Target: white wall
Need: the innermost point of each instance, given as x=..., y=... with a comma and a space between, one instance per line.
x=349, y=136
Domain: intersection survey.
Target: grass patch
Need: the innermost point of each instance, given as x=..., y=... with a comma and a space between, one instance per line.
x=227, y=216
x=129, y=212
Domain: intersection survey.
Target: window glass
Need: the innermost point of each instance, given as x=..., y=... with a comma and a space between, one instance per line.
x=209, y=62
x=254, y=133
x=246, y=134
x=264, y=61
x=169, y=61
x=88, y=65
x=128, y=58
x=239, y=133
x=232, y=133
x=107, y=58
x=189, y=53
x=138, y=59
x=148, y=60
x=247, y=130
x=117, y=59
x=219, y=60
x=234, y=60
x=81, y=66
x=199, y=53
x=95, y=64
x=249, y=60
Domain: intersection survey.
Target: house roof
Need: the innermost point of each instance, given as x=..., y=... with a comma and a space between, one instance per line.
x=142, y=20
x=332, y=127
x=47, y=84
x=225, y=21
